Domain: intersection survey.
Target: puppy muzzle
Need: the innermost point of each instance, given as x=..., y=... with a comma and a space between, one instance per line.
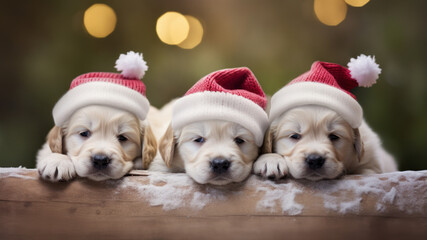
x=220, y=166
x=100, y=161
x=315, y=161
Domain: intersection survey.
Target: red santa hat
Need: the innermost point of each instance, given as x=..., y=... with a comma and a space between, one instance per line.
x=123, y=91
x=328, y=85
x=232, y=95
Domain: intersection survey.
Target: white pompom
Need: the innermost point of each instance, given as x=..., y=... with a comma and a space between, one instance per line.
x=364, y=69
x=132, y=65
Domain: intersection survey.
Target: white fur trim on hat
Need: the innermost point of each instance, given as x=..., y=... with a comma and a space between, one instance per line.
x=203, y=106
x=100, y=93
x=312, y=93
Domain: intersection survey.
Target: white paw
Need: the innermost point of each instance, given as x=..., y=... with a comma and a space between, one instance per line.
x=272, y=166
x=56, y=167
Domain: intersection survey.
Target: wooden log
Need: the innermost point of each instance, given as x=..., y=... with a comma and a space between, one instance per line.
x=149, y=205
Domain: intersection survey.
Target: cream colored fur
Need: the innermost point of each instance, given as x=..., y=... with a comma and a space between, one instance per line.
x=356, y=151
x=160, y=120
x=178, y=151
x=67, y=153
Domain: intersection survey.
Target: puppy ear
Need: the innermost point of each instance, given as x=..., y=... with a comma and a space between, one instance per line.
x=149, y=146
x=358, y=144
x=167, y=146
x=55, y=140
x=267, y=146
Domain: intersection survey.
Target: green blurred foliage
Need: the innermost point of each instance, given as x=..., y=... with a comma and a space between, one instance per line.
x=44, y=46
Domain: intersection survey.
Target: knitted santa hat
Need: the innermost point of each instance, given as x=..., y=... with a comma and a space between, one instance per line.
x=328, y=85
x=232, y=95
x=123, y=91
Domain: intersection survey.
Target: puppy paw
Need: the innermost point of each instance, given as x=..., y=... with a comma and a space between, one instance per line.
x=56, y=167
x=272, y=166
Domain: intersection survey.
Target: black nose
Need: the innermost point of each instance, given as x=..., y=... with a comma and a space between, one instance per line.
x=220, y=165
x=100, y=161
x=315, y=161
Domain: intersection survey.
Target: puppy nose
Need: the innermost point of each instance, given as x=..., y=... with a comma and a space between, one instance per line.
x=100, y=161
x=315, y=161
x=220, y=165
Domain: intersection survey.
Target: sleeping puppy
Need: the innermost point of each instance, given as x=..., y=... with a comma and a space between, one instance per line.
x=100, y=128
x=317, y=129
x=314, y=143
x=97, y=142
x=216, y=129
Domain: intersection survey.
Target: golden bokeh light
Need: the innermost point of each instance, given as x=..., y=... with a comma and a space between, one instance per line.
x=172, y=28
x=195, y=34
x=330, y=12
x=357, y=3
x=99, y=20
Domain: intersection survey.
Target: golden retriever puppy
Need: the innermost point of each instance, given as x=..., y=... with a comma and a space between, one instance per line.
x=98, y=142
x=317, y=129
x=215, y=152
x=160, y=119
x=215, y=130
x=314, y=142
x=100, y=128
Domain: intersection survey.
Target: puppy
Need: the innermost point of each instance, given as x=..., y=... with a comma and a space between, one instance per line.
x=216, y=129
x=100, y=126
x=97, y=142
x=317, y=130
x=215, y=152
x=314, y=143
x=160, y=119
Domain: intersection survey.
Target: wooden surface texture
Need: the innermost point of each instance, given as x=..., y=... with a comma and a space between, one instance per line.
x=171, y=206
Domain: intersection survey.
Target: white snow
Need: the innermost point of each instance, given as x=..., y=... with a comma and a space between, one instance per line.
x=350, y=206
x=172, y=191
x=16, y=172
x=387, y=198
x=12, y=169
x=390, y=196
x=282, y=195
x=403, y=191
x=403, y=194
x=343, y=195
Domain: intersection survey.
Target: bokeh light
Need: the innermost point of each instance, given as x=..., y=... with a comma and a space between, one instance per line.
x=100, y=20
x=172, y=28
x=195, y=34
x=330, y=12
x=357, y=3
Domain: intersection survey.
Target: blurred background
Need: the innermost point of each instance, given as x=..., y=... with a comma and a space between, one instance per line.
x=45, y=44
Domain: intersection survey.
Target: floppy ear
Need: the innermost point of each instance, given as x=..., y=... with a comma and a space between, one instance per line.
x=358, y=144
x=267, y=146
x=55, y=140
x=167, y=146
x=149, y=146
